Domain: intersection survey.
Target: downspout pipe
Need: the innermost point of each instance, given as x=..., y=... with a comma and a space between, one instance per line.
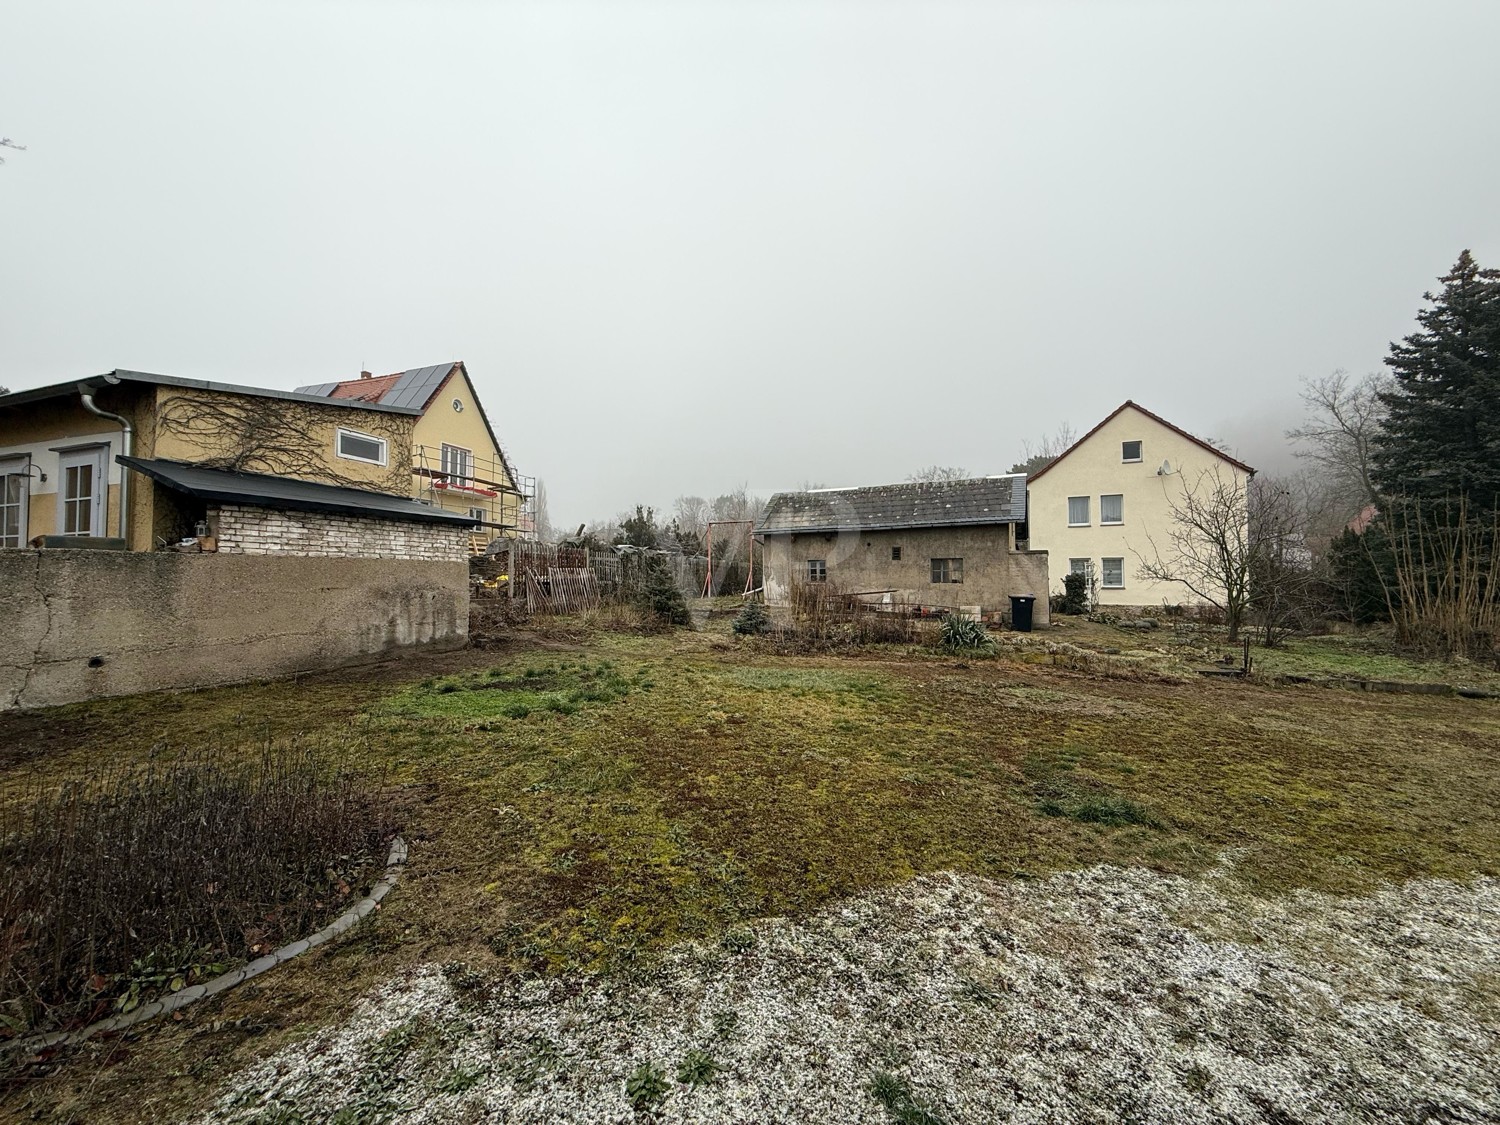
x=127, y=447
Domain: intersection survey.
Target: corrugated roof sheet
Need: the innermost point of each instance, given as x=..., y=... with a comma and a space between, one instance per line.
x=261, y=490
x=984, y=500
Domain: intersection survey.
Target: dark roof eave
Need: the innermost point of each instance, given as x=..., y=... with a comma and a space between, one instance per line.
x=409, y=510
x=96, y=382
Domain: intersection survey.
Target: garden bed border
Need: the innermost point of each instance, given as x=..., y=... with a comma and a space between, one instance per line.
x=395, y=861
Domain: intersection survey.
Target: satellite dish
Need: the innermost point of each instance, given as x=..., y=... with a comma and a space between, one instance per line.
x=1165, y=470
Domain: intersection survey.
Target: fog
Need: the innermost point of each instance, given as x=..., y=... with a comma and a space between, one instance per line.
x=688, y=246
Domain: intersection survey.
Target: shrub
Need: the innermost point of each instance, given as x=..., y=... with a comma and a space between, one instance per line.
x=1075, y=599
x=150, y=879
x=752, y=620
x=660, y=596
x=962, y=633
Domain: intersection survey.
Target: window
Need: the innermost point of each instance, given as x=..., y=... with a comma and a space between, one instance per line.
x=1114, y=574
x=480, y=517
x=458, y=466
x=895, y=554
x=1078, y=511
x=948, y=570
x=1130, y=451
x=1079, y=566
x=15, y=491
x=361, y=447
x=817, y=570
x=1112, y=509
x=80, y=494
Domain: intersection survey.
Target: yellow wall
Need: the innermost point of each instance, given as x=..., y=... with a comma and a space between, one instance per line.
x=1094, y=468
x=201, y=425
x=441, y=424
x=36, y=429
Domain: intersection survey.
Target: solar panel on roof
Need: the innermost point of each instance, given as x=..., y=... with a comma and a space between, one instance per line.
x=415, y=387
x=324, y=389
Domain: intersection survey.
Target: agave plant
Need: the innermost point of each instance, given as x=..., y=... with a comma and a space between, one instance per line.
x=961, y=632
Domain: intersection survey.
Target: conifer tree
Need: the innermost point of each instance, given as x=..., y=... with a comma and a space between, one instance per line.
x=1441, y=438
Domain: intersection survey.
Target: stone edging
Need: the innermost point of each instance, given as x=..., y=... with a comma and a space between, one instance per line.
x=395, y=861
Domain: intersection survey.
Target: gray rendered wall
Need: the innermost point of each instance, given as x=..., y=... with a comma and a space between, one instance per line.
x=861, y=561
x=82, y=624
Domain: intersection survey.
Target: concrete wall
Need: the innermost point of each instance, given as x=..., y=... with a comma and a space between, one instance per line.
x=82, y=624
x=267, y=531
x=1096, y=468
x=861, y=561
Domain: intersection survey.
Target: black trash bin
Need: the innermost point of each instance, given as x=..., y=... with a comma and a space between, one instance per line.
x=1020, y=612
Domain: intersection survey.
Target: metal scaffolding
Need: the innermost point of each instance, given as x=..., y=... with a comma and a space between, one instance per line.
x=500, y=500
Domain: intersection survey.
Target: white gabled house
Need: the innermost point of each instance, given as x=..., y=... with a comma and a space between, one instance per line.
x=1109, y=499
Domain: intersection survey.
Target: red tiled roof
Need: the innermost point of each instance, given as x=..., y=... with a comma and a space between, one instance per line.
x=365, y=390
x=1238, y=464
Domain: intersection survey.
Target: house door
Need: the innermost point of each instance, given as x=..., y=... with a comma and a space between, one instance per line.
x=15, y=492
x=81, y=493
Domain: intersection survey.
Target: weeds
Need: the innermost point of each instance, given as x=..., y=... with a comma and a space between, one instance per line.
x=896, y=1095
x=124, y=886
x=646, y=1087
x=697, y=1068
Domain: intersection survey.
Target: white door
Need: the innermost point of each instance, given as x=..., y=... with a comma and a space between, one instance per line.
x=81, y=491
x=15, y=493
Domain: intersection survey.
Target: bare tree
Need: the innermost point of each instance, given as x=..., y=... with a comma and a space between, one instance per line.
x=541, y=522
x=1207, y=548
x=1035, y=458
x=936, y=474
x=1338, y=435
x=6, y=142
x=691, y=515
x=1284, y=584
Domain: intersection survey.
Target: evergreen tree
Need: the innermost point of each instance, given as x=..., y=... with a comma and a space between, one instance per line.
x=1441, y=438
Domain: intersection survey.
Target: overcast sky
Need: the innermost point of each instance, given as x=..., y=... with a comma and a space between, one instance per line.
x=689, y=245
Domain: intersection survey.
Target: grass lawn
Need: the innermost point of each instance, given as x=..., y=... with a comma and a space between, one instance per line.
x=581, y=805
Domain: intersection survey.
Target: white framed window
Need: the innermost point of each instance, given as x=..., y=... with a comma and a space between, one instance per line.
x=15, y=498
x=1130, y=451
x=81, y=491
x=458, y=465
x=480, y=516
x=1078, y=511
x=817, y=570
x=1113, y=574
x=1112, y=509
x=1080, y=566
x=355, y=446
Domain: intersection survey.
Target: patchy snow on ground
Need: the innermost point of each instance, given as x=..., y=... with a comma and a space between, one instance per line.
x=1104, y=995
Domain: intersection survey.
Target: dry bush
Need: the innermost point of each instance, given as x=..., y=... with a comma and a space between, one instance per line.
x=824, y=618
x=144, y=880
x=1444, y=598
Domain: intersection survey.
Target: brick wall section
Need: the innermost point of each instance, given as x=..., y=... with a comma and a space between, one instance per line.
x=268, y=531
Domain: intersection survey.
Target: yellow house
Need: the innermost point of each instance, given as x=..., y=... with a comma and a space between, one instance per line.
x=1108, y=501
x=59, y=473
x=458, y=464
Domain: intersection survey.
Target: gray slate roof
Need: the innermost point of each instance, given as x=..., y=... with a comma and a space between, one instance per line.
x=261, y=490
x=955, y=503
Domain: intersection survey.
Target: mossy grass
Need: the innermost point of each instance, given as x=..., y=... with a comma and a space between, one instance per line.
x=697, y=785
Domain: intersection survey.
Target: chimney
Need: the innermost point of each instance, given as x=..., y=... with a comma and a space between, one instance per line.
x=364, y=375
